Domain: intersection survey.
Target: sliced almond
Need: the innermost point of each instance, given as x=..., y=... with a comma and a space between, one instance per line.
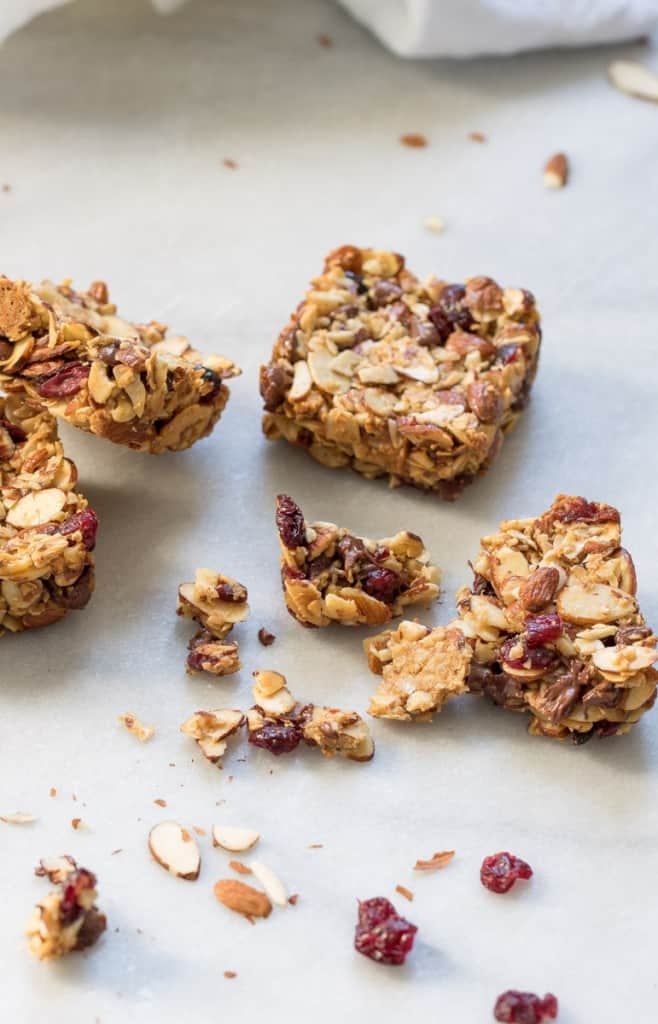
x=211, y=730
x=37, y=507
x=271, y=883
x=420, y=371
x=634, y=79
x=175, y=849
x=137, y=728
x=242, y=898
x=587, y=603
x=377, y=373
x=301, y=382
x=18, y=818
x=267, y=683
x=234, y=840
x=56, y=868
x=280, y=703
x=319, y=363
x=624, y=660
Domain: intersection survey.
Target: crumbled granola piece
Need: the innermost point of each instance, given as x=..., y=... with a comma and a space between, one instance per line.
x=331, y=575
x=422, y=668
x=137, y=728
x=266, y=638
x=129, y=383
x=278, y=723
x=47, y=532
x=216, y=602
x=211, y=730
x=415, y=381
x=67, y=919
x=554, y=623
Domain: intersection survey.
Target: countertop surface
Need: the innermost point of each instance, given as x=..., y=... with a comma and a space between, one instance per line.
x=115, y=124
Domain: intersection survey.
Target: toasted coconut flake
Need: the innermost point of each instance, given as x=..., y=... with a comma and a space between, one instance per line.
x=436, y=862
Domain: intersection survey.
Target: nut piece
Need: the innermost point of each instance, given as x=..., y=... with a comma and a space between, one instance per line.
x=18, y=818
x=234, y=840
x=556, y=171
x=242, y=898
x=175, y=849
x=422, y=669
x=539, y=589
x=436, y=862
x=207, y=654
x=634, y=79
x=56, y=868
x=271, y=883
x=331, y=575
x=217, y=602
x=211, y=730
x=339, y=732
x=137, y=728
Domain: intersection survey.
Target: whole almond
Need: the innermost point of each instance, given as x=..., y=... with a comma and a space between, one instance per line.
x=485, y=401
x=556, y=171
x=539, y=589
x=242, y=898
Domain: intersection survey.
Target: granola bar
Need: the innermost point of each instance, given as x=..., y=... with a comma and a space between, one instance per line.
x=216, y=602
x=47, y=532
x=393, y=377
x=67, y=919
x=129, y=383
x=278, y=723
x=330, y=575
x=555, y=626
x=421, y=670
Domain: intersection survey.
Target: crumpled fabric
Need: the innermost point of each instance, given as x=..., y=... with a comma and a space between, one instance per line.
x=465, y=28
x=452, y=28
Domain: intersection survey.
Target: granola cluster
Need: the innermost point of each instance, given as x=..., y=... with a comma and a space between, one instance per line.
x=67, y=919
x=330, y=575
x=216, y=602
x=380, y=372
x=421, y=669
x=278, y=723
x=129, y=383
x=555, y=626
x=47, y=533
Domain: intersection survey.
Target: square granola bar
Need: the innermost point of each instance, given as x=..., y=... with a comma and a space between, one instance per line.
x=129, y=383
x=391, y=376
x=555, y=626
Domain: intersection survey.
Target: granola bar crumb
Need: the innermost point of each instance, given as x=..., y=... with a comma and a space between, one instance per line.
x=414, y=140
x=477, y=137
x=217, y=603
x=230, y=974
x=231, y=165
x=76, y=822
x=266, y=638
x=294, y=899
x=52, y=792
x=436, y=862
x=67, y=919
x=160, y=802
x=435, y=224
x=211, y=730
x=407, y=893
x=325, y=40
x=331, y=575
x=137, y=728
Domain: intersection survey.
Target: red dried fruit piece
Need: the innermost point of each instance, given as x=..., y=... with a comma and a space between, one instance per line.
x=290, y=522
x=75, y=885
x=543, y=629
x=381, y=934
x=277, y=737
x=515, y=1007
x=87, y=523
x=16, y=433
x=64, y=382
x=530, y=658
x=384, y=584
x=569, y=509
x=500, y=871
x=508, y=354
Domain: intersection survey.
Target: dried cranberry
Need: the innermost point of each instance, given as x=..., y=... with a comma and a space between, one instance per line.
x=500, y=871
x=525, y=1008
x=274, y=384
x=16, y=433
x=529, y=658
x=381, y=934
x=290, y=522
x=384, y=292
x=277, y=737
x=361, y=288
x=508, y=354
x=384, y=584
x=64, y=382
x=87, y=523
x=451, y=303
x=74, y=886
x=543, y=629
x=441, y=322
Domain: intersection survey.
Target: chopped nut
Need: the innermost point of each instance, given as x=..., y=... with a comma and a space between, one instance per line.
x=230, y=974
x=436, y=862
x=242, y=869
x=137, y=728
x=271, y=883
x=160, y=802
x=414, y=140
x=556, y=171
x=230, y=164
x=76, y=822
x=18, y=818
x=634, y=79
x=52, y=791
x=175, y=850
x=477, y=137
x=407, y=893
x=265, y=637
x=211, y=730
x=242, y=898
x=435, y=224
x=293, y=900
x=236, y=840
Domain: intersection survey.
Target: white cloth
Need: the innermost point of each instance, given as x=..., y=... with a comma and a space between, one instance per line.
x=453, y=28
x=463, y=28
